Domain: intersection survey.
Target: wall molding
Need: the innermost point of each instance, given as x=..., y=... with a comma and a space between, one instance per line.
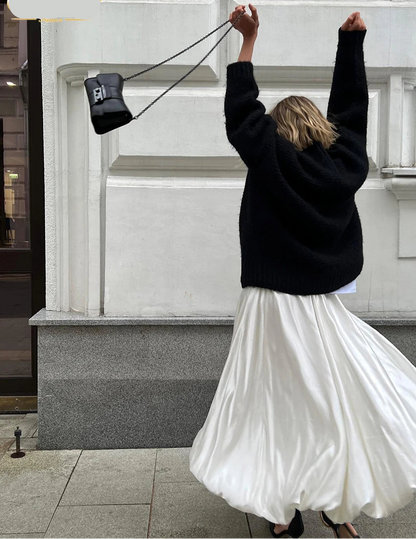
x=403, y=185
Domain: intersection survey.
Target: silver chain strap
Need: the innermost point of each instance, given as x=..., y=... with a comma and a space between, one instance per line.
x=186, y=74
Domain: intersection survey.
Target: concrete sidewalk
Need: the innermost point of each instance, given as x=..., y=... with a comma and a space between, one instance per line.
x=130, y=493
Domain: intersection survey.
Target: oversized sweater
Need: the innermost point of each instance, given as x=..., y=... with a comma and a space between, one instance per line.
x=299, y=227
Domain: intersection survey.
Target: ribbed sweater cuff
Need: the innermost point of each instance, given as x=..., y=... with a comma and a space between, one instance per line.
x=240, y=70
x=349, y=41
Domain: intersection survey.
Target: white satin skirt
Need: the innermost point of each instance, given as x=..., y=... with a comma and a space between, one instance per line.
x=315, y=409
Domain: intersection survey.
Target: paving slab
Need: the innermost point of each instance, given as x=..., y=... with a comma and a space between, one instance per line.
x=31, y=488
x=27, y=423
x=4, y=445
x=188, y=509
x=112, y=476
x=100, y=521
x=172, y=464
x=25, y=443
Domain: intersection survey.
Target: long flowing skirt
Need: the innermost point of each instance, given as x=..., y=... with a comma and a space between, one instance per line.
x=315, y=409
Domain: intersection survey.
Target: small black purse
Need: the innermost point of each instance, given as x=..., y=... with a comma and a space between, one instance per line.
x=108, y=109
x=105, y=92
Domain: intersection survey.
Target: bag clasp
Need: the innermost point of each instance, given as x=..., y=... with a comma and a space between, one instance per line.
x=99, y=94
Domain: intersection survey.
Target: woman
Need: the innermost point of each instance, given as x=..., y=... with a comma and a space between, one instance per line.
x=313, y=404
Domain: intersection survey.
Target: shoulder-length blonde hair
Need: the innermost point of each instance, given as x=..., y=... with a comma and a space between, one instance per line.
x=299, y=120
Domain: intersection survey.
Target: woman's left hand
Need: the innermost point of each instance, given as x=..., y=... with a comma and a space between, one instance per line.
x=247, y=25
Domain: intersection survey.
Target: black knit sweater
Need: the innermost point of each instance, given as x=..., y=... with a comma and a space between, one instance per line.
x=300, y=230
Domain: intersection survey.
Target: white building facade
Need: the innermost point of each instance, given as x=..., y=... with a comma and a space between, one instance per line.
x=142, y=246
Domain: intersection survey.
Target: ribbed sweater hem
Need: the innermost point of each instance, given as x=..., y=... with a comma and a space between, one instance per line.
x=254, y=274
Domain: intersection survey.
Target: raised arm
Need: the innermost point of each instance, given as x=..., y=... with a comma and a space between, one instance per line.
x=249, y=129
x=348, y=101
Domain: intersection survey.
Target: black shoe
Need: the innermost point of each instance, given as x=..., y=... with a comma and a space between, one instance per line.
x=295, y=527
x=335, y=527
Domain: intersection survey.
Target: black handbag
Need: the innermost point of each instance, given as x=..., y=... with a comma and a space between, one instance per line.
x=105, y=92
x=108, y=109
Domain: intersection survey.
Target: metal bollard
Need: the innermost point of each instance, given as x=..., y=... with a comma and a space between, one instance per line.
x=19, y=454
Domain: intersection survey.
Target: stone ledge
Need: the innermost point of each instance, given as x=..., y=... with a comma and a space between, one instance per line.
x=72, y=318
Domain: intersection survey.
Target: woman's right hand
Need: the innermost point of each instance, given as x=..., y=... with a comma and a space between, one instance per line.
x=354, y=22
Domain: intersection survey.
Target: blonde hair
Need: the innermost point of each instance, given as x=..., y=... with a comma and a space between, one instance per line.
x=300, y=121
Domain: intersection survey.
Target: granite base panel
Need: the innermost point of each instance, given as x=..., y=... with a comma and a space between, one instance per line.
x=110, y=387
x=120, y=414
